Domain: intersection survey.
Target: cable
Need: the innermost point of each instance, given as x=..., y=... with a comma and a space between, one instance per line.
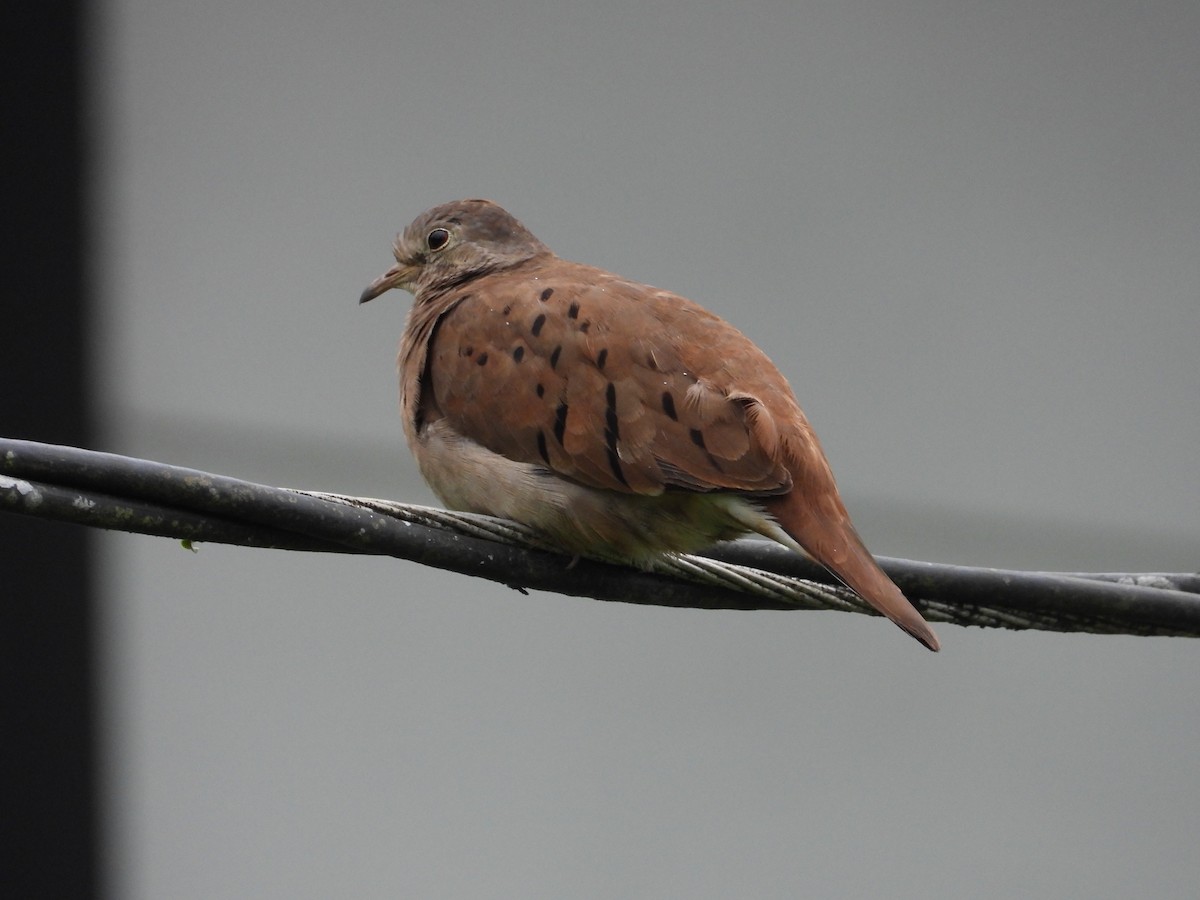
x=105, y=490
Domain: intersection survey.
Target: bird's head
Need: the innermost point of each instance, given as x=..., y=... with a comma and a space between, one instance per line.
x=453, y=243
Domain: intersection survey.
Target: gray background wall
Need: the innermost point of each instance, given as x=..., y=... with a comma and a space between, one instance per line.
x=968, y=235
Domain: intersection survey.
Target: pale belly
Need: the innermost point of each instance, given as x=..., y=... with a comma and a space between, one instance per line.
x=633, y=528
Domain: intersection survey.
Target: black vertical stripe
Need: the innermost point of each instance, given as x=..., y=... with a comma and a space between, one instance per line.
x=560, y=422
x=47, y=618
x=668, y=405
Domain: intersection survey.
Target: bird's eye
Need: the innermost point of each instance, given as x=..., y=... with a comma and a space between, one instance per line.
x=438, y=238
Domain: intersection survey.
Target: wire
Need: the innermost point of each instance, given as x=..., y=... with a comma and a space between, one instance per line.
x=105, y=490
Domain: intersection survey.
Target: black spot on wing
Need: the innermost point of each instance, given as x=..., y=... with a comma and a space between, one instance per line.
x=560, y=422
x=546, y=294
x=698, y=439
x=612, y=433
x=668, y=405
x=536, y=328
x=611, y=425
x=614, y=463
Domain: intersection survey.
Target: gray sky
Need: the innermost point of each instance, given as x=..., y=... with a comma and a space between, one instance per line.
x=968, y=235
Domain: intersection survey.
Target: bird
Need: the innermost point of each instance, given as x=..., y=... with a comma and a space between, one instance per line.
x=618, y=420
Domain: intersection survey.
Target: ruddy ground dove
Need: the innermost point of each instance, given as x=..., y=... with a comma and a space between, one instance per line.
x=615, y=418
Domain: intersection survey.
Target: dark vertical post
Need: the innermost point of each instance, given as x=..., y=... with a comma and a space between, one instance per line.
x=47, y=716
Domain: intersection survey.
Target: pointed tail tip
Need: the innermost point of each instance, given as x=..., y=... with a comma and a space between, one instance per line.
x=923, y=634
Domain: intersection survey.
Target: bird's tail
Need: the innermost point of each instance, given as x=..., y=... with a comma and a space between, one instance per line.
x=823, y=530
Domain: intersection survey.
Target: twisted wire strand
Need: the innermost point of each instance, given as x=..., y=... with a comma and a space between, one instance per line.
x=124, y=493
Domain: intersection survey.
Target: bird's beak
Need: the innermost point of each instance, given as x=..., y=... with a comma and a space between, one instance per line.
x=398, y=275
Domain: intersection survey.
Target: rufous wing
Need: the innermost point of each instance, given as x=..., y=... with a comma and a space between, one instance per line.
x=606, y=382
